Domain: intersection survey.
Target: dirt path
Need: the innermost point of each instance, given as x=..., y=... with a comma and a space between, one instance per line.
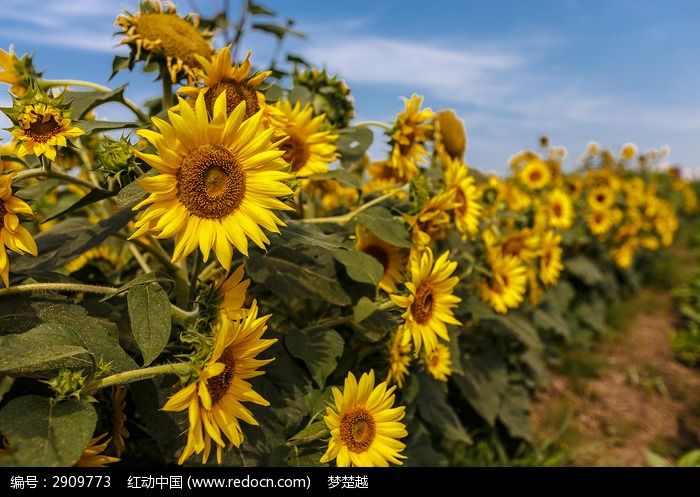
x=630, y=401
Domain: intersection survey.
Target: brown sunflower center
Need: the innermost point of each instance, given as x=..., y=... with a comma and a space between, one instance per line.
x=176, y=37
x=296, y=152
x=557, y=209
x=600, y=198
x=357, y=430
x=236, y=92
x=3, y=211
x=43, y=128
x=378, y=253
x=218, y=385
x=422, y=306
x=535, y=176
x=434, y=358
x=210, y=182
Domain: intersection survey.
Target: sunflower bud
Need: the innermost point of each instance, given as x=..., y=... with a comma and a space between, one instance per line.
x=116, y=159
x=67, y=384
x=330, y=96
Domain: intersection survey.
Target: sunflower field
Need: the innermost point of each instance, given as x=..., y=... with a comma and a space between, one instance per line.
x=230, y=279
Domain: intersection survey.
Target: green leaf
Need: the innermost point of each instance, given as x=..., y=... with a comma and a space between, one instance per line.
x=94, y=195
x=361, y=267
x=376, y=326
x=364, y=309
x=319, y=350
x=689, y=459
x=120, y=63
x=353, y=143
x=38, y=190
x=131, y=193
x=584, y=269
x=549, y=321
x=257, y=9
x=142, y=279
x=299, y=94
x=91, y=126
x=149, y=312
x=148, y=400
x=385, y=226
x=484, y=383
x=434, y=409
x=298, y=234
x=276, y=30
x=655, y=460
x=341, y=176
x=82, y=102
x=515, y=412
x=520, y=329
x=41, y=432
x=314, y=431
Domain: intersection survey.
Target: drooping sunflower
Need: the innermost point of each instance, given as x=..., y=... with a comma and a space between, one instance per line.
x=102, y=255
x=599, y=221
x=433, y=219
x=430, y=303
x=365, y=427
x=535, y=174
x=215, y=400
x=550, y=258
x=409, y=134
x=12, y=235
x=16, y=72
x=219, y=181
x=467, y=213
x=41, y=128
x=505, y=289
x=232, y=293
x=399, y=358
x=309, y=149
x=560, y=210
x=390, y=257
x=93, y=457
x=219, y=74
x=450, y=136
x=439, y=362
x=157, y=33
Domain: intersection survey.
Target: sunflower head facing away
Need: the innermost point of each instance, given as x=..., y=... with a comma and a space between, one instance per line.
x=93, y=457
x=215, y=400
x=365, y=427
x=430, y=302
x=551, y=265
x=156, y=33
x=220, y=180
x=309, y=147
x=411, y=130
x=220, y=74
x=390, y=257
x=505, y=289
x=450, y=136
x=17, y=72
x=433, y=219
x=331, y=96
x=399, y=358
x=12, y=235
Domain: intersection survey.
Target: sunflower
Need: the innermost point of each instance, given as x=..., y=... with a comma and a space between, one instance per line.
x=232, y=293
x=101, y=255
x=467, y=197
x=450, y=136
x=592, y=149
x=624, y=254
x=438, y=362
x=93, y=457
x=522, y=244
x=399, y=358
x=408, y=136
x=215, y=400
x=433, y=219
x=219, y=181
x=550, y=258
x=429, y=306
x=382, y=178
x=308, y=149
x=649, y=242
x=40, y=128
x=535, y=174
x=333, y=194
x=390, y=257
x=16, y=72
x=221, y=74
x=506, y=287
x=9, y=164
x=119, y=431
x=365, y=428
x=12, y=235
x=601, y=198
x=628, y=151
x=599, y=221
x=164, y=36
x=560, y=210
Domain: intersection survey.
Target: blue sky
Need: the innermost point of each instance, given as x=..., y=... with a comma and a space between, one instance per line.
x=611, y=71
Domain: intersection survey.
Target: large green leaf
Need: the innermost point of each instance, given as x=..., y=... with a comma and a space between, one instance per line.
x=384, y=225
x=149, y=312
x=353, y=143
x=298, y=234
x=319, y=350
x=435, y=410
x=82, y=102
x=361, y=267
x=484, y=383
x=520, y=329
x=131, y=193
x=515, y=412
x=93, y=126
x=41, y=432
x=585, y=269
x=91, y=197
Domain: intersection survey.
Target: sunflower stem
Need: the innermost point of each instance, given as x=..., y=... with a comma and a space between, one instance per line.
x=180, y=369
x=346, y=218
x=167, y=87
x=194, y=277
x=385, y=306
x=376, y=124
x=56, y=287
x=48, y=83
x=183, y=315
x=39, y=172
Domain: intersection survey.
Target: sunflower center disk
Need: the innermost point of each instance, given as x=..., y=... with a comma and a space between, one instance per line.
x=43, y=129
x=357, y=430
x=210, y=182
x=218, y=385
x=295, y=152
x=236, y=92
x=3, y=211
x=177, y=37
x=378, y=253
x=557, y=210
x=422, y=305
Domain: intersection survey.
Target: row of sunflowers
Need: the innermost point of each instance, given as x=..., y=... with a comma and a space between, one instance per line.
x=387, y=311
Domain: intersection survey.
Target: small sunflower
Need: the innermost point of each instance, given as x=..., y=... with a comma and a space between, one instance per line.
x=102, y=256
x=158, y=33
x=535, y=174
x=390, y=257
x=599, y=221
x=628, y=151
x=450, y=136
x=232, y=293
x=409, y=134
x=438, y=362
x=215, y=400
x=505, y=289
x=12, y=235
x=365, y=428
x=17, y=72
x=382, y=178
x=333, y=194
x=430, y=303
x=93, y=457
x=624, y=254
x=550, y=258
x=433, y=219
x=601, y=198
x=41, y=128
x=649, y=242
x=467, y=213
x=399, y=358
x=560, y=210
x=219, y=181
x=308, y=148
x=522, y=244
x=119, y=431
x=221, y=74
